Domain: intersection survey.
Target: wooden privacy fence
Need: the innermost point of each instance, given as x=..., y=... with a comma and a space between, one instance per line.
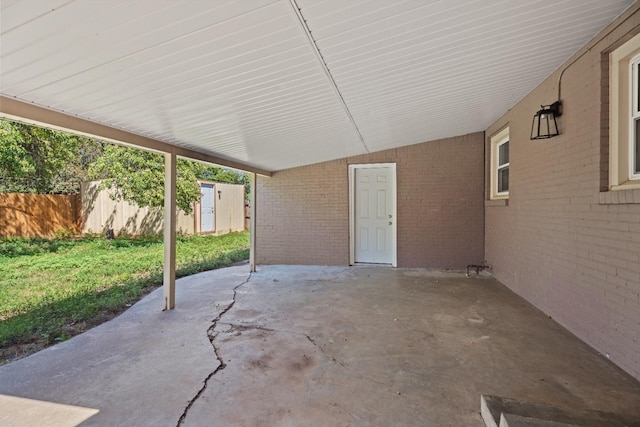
x=93, y=211
x=100, y=212
x=39, y=215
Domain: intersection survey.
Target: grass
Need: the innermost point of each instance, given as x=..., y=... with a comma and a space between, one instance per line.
x=53, y=289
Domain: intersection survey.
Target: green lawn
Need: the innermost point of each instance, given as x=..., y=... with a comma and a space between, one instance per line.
x=48, y=287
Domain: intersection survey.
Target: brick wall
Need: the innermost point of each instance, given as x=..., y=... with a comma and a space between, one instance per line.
x=303, y=213
x=561, y=243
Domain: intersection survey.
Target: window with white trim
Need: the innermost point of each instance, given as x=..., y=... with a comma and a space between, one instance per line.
x=634, y=131
x=500, y=165
x=624, y=116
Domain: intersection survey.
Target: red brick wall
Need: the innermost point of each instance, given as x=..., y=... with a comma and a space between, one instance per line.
x=560, y=243
x=303, y=213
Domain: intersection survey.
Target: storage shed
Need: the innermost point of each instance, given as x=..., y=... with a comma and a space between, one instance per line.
x=220, y=211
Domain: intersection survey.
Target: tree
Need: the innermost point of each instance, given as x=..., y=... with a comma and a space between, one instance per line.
x=40, y=160
x=137, y=176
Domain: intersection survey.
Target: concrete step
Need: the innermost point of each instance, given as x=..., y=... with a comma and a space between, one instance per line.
x=504, y=412
x=510, y=420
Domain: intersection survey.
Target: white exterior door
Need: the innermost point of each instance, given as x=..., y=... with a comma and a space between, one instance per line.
x=207, y=207
x=374, y=211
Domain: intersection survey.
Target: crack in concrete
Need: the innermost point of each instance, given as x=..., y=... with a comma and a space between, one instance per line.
x=211, y=334
x=319, y=347
x=238, y=327
x=246, y=327
x=344, y=366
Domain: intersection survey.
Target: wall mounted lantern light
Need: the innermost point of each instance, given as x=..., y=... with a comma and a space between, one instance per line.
x=544, y=121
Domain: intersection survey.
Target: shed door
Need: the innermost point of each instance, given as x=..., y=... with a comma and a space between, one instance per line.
x=374, y=210
x=207, y=206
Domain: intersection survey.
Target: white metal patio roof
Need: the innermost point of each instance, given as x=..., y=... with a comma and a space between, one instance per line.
x=275, y=84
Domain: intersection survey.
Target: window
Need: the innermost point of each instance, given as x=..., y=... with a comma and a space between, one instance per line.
x=634, y=134
x=500, y=165
x=624, y=116
x=503, y=167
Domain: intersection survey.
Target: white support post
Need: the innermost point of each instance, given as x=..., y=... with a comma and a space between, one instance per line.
x=169, y=277
x=252, y=225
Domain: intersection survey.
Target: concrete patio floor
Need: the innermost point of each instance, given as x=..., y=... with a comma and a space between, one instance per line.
x=316, y=346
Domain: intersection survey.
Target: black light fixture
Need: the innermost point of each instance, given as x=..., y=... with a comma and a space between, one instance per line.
x=544, y=121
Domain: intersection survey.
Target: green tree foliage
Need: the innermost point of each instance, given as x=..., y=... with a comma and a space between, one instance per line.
x=137, y=176
x=77, y=169
x=39, y=160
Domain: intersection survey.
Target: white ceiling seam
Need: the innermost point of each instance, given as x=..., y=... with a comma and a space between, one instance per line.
x=149, y=75
x=325, y=68
x=185, y=85
x=30, y=10
x=143, y=51
x=136, y=44
x=152, y=66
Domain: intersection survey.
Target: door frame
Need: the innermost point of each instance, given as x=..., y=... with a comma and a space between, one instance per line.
x=213, y=184
x=352, y=208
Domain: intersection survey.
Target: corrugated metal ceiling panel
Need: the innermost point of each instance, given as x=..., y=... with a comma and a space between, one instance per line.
x=409, y=71
x=237, y=79
x=241, y=80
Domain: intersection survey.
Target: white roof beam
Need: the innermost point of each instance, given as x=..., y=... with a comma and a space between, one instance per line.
x=14, y=109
